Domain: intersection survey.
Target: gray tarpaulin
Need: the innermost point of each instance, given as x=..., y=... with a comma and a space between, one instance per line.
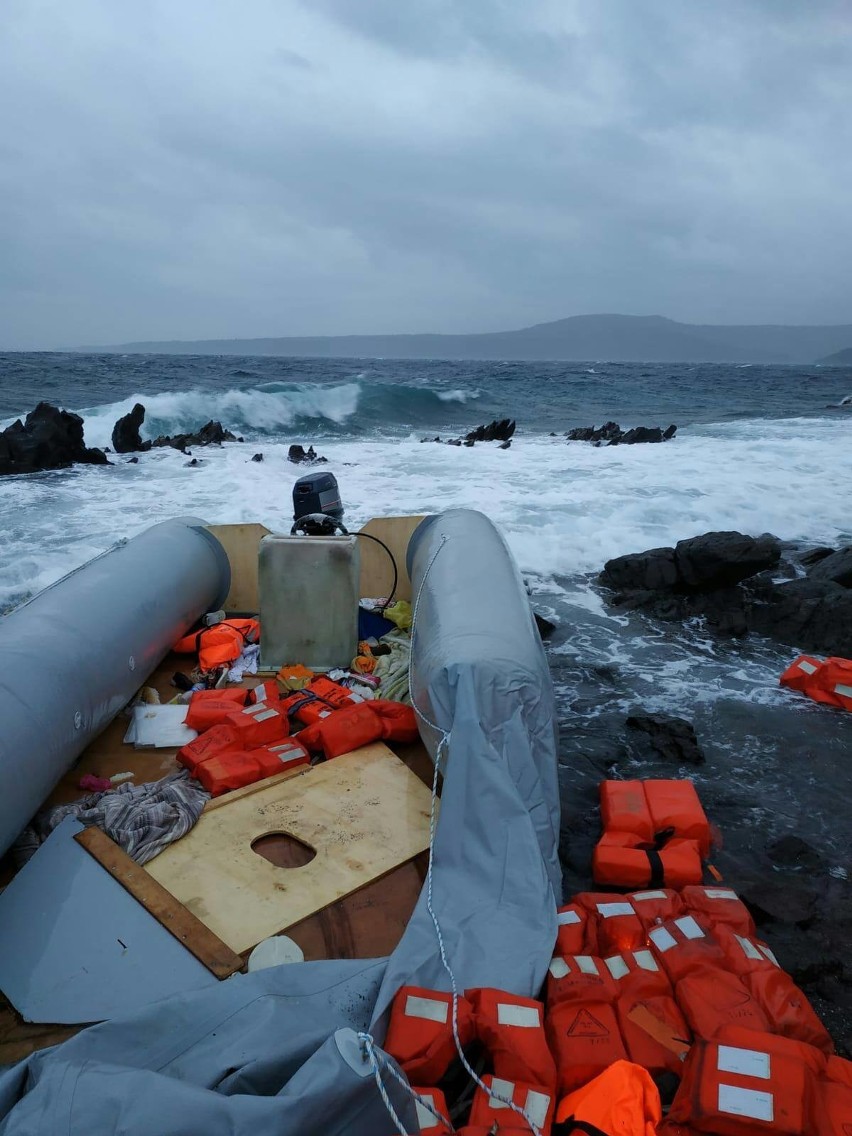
x=272, y=1052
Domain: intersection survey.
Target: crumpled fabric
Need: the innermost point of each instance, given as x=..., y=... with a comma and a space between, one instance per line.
x=245, y=664
x=392, y=669
x=400, y=614
x=141, y=819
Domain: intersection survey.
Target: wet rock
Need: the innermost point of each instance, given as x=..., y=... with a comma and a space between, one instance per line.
x=649, y=572
x=814, y=555
x=835, y=568
x=48, y=438
x=132, y=461
x=302, y=456
x=672, y=739
x=505, y=445
x=787, y=900
x=211, y=433
x=791, y=851
x=500, y=430
x=192, y=463
x=611, y=434
x=545, y=627
x=257, y=457
x=126, y=438
x=811, y=614
x=719, y=559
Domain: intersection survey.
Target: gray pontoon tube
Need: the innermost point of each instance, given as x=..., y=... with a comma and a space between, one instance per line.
x=75, y=654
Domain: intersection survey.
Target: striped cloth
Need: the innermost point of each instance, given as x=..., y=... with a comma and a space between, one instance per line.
x=141, y=819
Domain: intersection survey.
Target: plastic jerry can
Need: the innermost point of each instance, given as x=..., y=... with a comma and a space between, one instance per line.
x=308, y=591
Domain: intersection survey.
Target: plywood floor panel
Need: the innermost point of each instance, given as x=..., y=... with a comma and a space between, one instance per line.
x=365, y=813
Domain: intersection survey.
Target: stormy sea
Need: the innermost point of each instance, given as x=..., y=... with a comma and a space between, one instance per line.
x=758, y=449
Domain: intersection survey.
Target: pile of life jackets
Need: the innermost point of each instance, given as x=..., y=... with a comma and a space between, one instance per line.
x=243, y=736
x=219, y=645
x=655, y=835
x=829, y=682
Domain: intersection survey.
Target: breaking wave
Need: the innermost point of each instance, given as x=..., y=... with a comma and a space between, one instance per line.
x=275, y=408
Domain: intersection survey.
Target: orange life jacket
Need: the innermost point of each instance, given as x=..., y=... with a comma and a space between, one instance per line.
x=621, y=1101
x=585, y=1040
x=235, y=768
x=218, y=739
x=488, y=1107
x=653, y=1028
x=420, y=1032
x=717, y=906
x=572, y=931
x=343, y=730
x=268, y=692
x=747, y=1089
x=259, y=725
x=511, y=1029
x=617, y=926
x=621, y=860
x=800, y=672
x=223, y=643
x=209, y=708
x=711, y=998
x=624, y=808
x=656, y=905
x=578, y=979
x=429, y=1124
x=684, y=945
x=829, y=682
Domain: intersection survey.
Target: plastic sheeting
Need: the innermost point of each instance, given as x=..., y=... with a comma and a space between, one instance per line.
x=263, y=1052
x=76, y=653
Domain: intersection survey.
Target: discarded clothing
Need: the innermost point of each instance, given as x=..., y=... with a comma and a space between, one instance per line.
x=392, y=669
x=400, y=614
x=141, y=819
x=245, y=664
x=294, y=676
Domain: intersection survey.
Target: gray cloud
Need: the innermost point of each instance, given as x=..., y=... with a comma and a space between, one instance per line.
x=210, y=169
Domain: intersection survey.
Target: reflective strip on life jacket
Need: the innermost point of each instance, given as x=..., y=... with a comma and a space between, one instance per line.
x=429, y=1124
x=621, y=1101
x=832, y=683
x=488, y=1108
x=420, y=1032
x=578, y=979
x=719, y=905
x=233, y=770
x=682, y=946
x=744, y=954
x=259, y=725
x=511, y=1029
x=573, y=927
x=656, y=905
x=800, y=672
x=617, y=926
x=267, y=692
x=738, y=1091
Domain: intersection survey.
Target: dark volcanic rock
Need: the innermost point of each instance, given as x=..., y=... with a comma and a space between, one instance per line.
x=651, y=571
x=612, y=434
x=790, y=851
x=48, y=438
x=837, y=568
x=813, y=614
x=302, y=456
x=257, y=457
x=814, y=555
x=211, y=433
x=500, y=430
x=719, y=559
x=125, y=434
x=545, y=627
x=673, y=739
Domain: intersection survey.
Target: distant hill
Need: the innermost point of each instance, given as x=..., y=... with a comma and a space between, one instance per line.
x=839, y=358
x=612, y=338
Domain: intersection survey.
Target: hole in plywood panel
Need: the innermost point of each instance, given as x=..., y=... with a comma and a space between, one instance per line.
x=283, y=850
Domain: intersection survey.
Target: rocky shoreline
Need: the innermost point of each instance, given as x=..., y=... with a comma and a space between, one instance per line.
x=780, y=798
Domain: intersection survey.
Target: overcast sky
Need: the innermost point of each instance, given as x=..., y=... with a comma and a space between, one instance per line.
x=219, y=168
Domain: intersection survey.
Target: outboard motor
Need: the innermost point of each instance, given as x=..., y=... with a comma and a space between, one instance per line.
x=317, y=508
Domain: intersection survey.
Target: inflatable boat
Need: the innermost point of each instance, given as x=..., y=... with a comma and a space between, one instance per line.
x=296, y=1048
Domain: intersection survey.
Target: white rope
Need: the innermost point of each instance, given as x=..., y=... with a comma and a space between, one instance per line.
x=379, y=1063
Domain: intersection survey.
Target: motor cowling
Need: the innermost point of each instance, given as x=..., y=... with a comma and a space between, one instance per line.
x=317, y=493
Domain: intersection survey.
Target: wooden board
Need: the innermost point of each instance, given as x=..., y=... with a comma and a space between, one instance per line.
x=241, y=543
x=376, y=569
x=364, y=813
x=169, y=913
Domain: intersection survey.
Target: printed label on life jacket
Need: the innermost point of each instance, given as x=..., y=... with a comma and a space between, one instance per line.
x=617, y=966
x=768, y=952
x=689, y=927
x=807, y=667
x=746, y=1102
x=586, y=964
x=564, y=917
x=720, y=893
x=640, y=895
x=745, y=1062
x=525, y=1016
x=585, y=1024
x=845, y=691
x=608, y=910
x=429, y=1008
